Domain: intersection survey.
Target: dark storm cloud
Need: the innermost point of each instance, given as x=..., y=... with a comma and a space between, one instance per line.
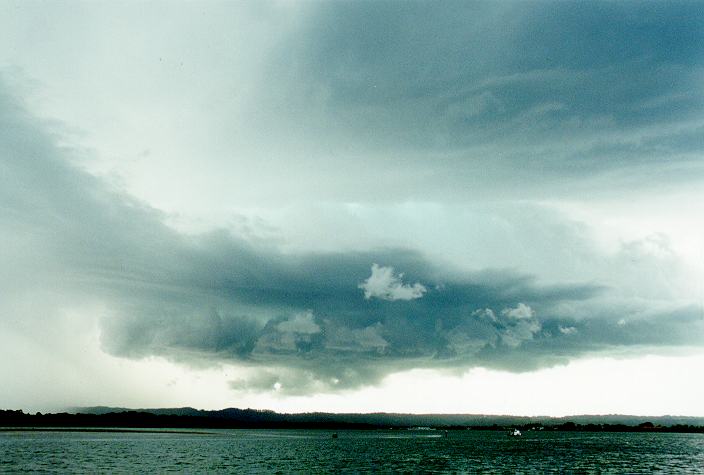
x=557, y=89
x=336, y=319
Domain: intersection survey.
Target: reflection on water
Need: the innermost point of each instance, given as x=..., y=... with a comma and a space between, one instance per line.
x=285, y=451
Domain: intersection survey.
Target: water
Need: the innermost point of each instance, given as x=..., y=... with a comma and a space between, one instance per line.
x=285, y=451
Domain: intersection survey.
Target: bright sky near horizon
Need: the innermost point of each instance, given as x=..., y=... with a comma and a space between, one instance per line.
x=461, y=207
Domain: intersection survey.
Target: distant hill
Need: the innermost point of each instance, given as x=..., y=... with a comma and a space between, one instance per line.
x=399, y=420
x=233, y=418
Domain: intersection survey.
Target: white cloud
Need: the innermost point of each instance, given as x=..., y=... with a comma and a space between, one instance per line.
x=521, y=311
x=383, y=284
x=523, y=330
x=289, y=334
x=521, y=325
x=363, y=339
x=300, y=323
x=485, y=313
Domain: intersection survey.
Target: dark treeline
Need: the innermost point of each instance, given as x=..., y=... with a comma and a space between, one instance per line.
x=237, y=419
x=253, y=419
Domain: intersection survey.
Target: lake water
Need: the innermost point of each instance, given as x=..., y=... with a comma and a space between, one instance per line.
x=285, y=451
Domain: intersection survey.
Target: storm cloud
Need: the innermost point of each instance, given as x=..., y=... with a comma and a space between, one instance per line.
x=311, y=321
x=523, y=99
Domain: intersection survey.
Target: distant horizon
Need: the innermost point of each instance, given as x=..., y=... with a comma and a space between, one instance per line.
x=488, y=418
x=100, y=408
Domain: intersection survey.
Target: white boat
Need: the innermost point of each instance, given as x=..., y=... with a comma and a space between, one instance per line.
x=515, y=433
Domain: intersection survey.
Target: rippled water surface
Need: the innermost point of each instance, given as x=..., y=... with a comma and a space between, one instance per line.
x=285, y=451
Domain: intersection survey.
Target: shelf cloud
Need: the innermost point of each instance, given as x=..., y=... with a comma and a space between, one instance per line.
x=336, y=316
x=329, y=193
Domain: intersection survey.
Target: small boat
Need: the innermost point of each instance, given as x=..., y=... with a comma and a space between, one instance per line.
x=515, y=433
x=334, y=435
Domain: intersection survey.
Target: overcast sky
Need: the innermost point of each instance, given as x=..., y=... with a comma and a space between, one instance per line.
x=353, y=206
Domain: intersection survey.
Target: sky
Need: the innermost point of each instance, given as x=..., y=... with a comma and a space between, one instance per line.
x=353, y=206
